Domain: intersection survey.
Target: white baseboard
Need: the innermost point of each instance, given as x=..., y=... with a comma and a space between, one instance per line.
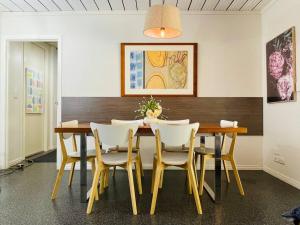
x=15, y=161
x=149, y=167
x=284, y=178
x=212, y=167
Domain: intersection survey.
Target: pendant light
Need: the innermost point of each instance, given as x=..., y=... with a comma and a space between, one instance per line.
x=163, y=21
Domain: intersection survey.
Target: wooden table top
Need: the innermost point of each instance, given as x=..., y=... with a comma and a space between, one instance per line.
x=204, y=128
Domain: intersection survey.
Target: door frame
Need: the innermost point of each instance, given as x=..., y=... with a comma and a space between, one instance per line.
x=4, y=85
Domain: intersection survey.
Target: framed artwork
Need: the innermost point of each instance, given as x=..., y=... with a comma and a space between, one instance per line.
x=34, y=91
x=281, y=67
x=159, y=69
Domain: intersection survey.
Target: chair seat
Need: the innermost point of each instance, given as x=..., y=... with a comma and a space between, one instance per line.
x=176, y=149
x=117, y=158
x=89, y=153
x=123, y=149
x=174, y=158
x=205, y=151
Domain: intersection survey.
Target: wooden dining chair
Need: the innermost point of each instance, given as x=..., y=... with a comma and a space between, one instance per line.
x=174, y=135
x=70, y=157
x=136, y=148
x=172, y=122
x=114, y=135
x=209, y=153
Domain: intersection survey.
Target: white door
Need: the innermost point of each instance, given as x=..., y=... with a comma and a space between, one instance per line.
x=34, y=59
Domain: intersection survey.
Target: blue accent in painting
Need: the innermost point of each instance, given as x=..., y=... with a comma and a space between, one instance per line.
x=132, y=66
x=136, y=69
x=132, y=85
x=132, y=77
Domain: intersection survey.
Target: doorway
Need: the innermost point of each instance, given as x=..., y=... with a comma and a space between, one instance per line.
x=32, y=100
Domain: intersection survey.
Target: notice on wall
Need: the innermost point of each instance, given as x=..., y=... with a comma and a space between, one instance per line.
x=34, y=91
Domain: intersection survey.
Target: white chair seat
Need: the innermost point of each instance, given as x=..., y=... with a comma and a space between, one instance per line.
x=205, y=151
x=89, y=153
x=122, y=149
x=115, y=159
x=174, y=158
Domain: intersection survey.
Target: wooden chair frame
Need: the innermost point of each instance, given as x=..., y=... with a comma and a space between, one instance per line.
x=66, y=159
x=138, y=152
x=225, y=157
x=101, y=173
x=159, y=166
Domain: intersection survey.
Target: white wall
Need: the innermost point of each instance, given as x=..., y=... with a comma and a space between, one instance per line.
x=229, y=57
x=282, y=120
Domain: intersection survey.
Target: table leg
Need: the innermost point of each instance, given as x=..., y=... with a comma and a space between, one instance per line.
x=202, y=140
x=83, y=169
x=218, y=172
x=216, y=193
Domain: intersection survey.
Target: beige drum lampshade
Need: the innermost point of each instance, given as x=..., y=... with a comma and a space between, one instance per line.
x=163, y=21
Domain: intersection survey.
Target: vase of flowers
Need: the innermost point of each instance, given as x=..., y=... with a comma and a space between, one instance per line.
x=150, y=109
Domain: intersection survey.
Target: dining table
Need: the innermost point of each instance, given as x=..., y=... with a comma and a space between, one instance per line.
x=212, y=129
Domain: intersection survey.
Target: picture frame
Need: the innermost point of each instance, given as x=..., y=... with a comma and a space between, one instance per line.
x=281, y=67
x=34, y=102
x=159, y=69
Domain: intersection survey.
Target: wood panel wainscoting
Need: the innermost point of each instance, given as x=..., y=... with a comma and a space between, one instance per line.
x=247, y=110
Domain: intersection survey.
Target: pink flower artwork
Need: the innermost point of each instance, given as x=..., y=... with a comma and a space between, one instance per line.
x=285, y=87
x=276, y=62
x=281, y=67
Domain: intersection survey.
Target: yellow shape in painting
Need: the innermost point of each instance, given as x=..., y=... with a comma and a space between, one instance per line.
x=156, y=82
x=157, y=58
x=178, y=75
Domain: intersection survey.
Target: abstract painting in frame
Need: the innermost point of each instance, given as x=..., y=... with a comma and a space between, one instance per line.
x=281, y=67
x=159, y=69
x=34, y=91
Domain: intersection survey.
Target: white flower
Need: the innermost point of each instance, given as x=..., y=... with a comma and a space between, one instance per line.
x=150, y=114
x=157, y=113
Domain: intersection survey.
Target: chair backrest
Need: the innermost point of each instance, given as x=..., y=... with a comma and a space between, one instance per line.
x=139, y=122
x=114, y=135
x=173, y=122
x=232, y=136
x=64, y=136
x=175, y=135
x=72, y=123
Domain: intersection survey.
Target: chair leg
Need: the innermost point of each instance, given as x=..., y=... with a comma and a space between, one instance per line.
x=189, y=183
x=141, y=164
x=153, y=174
x=139, y=176
x=94, y=191
x=132, y=191
x=195, y=189
x=155, y=188
x=93, y=172
x=237, y=177
x=195, y=168
x=106, y=181
x=93, y=166
x=226, y=171
x=71, y=174
x=58, y=179
x=102, y=183
x=114, y=172
x=161, y=179
x=202, y=174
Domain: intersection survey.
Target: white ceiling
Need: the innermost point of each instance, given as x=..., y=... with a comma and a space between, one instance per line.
x=98, y=5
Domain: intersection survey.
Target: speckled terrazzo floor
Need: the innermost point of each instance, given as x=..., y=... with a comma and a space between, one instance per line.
x=25, y=199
